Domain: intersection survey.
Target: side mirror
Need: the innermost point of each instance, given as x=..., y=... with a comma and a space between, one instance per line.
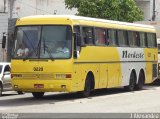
x=76, y=54
x=4, y=41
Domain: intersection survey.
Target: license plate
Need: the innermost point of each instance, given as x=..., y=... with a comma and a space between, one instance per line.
x=38, y=86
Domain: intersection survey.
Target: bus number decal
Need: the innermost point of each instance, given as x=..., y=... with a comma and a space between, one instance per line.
x=37, y=68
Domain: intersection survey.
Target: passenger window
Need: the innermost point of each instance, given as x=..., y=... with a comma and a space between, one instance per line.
x=131, y=38
x=112, y=37
x=151, y=39
x=77, y=31
x=100, y=36
x=88, y=35
x=122, y=38
x=143, y=42
x=136, y=39
x=154, y=40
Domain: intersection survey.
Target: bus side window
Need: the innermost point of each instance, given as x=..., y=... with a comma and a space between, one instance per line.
x=154, y=40
x=143, y=40
x=136, y=40
x=151, y=39
x=77, y=31
x=107, y=37
x=88, y=35
x=100, y=36
x=131, y=38
x=122, y=38
x=112, y=37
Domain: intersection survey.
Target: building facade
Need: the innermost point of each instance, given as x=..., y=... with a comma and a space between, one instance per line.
x=150, y=8
x=21, y=8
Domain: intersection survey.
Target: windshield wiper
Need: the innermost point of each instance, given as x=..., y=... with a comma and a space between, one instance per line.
x=47, y=49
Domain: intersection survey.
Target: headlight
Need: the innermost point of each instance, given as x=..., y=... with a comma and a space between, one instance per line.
x=16, y=75
x=63, y=76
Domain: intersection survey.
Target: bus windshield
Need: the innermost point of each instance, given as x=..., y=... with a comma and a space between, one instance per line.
x=46, y=42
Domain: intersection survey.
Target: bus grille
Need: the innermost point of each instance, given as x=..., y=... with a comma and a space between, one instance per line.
x=154, y=70
x=37, y=76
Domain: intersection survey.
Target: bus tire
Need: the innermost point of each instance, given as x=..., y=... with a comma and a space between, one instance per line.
x=132, y=83
x=19, y=92
x=87, y=88
x=141, y=80
x=37, y=94
x=1, y=89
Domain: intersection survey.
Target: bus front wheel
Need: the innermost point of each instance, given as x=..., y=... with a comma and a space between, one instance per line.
x=37, y=94
x=19, y=92
x=87, y=88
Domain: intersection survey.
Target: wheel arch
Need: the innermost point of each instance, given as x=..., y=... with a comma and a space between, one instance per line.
x=90, y=74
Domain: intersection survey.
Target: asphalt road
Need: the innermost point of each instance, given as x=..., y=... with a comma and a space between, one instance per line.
x=101, y=101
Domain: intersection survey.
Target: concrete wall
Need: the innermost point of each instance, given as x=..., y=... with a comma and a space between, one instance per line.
x=147, y=8
x=39, y=7
x=3, y=6
x=158, y=10
x=23, y=8
x=3, y=29
x=156, y=24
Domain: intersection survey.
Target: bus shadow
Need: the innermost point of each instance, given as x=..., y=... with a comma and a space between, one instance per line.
x=28, y=99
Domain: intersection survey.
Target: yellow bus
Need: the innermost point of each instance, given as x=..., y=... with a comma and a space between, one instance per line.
x=63, y=53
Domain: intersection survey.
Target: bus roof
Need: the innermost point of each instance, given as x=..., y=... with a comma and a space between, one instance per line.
x=81, y=19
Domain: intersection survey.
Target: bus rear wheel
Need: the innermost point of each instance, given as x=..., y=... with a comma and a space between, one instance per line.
x=87, y=88
x=140, y=84
x=132, y=83
x=37, y=94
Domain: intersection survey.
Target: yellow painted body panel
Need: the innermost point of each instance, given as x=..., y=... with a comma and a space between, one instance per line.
x=103, y=63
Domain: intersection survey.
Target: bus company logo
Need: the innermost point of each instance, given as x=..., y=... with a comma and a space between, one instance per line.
x=126, y=54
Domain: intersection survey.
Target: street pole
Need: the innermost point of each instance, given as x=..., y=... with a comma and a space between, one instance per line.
x=154, y=11
x=3, y=47
x=3, y=53
x=4, y=6
x=11, y=4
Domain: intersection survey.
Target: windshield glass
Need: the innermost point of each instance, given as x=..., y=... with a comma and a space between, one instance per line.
x=158, y=48
x=0, y=69
x=46, y=42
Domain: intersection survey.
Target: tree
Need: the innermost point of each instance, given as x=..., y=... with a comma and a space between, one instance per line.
x=121, y=10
